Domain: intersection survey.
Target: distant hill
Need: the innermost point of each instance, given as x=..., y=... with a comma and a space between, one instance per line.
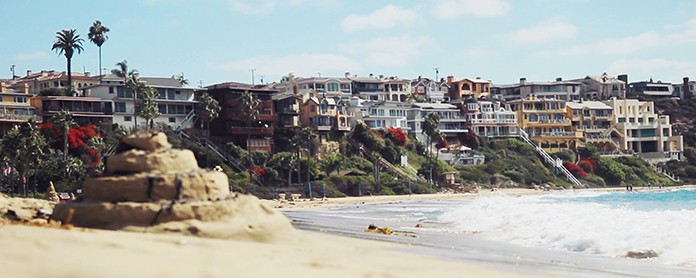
x=682, y=114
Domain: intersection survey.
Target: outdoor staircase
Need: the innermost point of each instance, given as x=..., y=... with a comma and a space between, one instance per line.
x=557, y=164
x=386, y=164
x=190, y=117
x=228, y=158
x=659, y=169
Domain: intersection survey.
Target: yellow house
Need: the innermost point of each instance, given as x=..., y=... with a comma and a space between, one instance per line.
x=324, y=114
x=544, y=120
x=466, y=87
x=593, y=118
x=15, y=107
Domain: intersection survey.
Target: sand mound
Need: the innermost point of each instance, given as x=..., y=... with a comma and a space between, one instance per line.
x=21, y=209
x=165, y=191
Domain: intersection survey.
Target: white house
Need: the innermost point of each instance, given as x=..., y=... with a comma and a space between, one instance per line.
x=175, y=102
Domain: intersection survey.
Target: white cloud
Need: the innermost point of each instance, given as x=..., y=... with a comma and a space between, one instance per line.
x=545, y=31
x=613, y=46
x=478, y=53
x=384, y=18
x=303, y=64
x=684, y=32
x=642, y=69
x=255, y=7
x=388, y=51
x=452, y=9
x=34, y=56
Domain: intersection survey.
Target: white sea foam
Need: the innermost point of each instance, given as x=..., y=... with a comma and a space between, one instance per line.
x=555, y=222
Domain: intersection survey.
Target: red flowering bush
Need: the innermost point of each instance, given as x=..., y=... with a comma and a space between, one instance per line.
x=258, y=171
x=78, y=138
x=574, y=169
x=397, y=136
x=588, y=164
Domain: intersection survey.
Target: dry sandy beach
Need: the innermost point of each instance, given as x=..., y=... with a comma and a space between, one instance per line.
x=29, y=251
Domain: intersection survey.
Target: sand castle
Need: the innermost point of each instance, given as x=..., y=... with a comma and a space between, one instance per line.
x=149, y=186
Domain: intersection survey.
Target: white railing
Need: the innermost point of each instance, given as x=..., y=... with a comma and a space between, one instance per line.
x=557, y=164
x=493, y=121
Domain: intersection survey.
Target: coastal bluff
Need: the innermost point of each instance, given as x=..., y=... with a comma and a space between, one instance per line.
x=150, y=187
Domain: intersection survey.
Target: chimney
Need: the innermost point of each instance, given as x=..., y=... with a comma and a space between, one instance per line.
x=26, y=88
x=688, y=94
x=559, y=79
x=3, y=87
x=478, y=78
x=87, y=73
x=28, y=72
x=372, y=75
x=450, y=79
x=623, y=77
x=381, y=76
x=347, y=74
x=523, y=81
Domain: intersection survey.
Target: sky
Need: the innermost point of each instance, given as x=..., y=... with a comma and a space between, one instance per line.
x=214, y=41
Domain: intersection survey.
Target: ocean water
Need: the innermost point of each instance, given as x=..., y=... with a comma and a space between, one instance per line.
x=544, y=229
x=606, y=224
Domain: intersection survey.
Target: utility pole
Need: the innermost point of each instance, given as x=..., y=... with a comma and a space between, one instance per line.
x=12, y=70
x=252, y=75
x=437, y=72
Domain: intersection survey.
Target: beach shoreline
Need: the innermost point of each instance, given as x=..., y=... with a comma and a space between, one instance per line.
x=30, y=251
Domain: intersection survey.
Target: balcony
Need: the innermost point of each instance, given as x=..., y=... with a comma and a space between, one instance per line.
x=294, y=109
x=493, y=121
x=571, y=134
x=18, y=118
x=267, y=117
x=254, y=131
x=550, y=122
x=324, y=127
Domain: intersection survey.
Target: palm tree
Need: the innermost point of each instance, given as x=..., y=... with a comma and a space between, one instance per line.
x=64, y=120
x=67, y=42
x=97, y=34
x=430, y=128
x=207, y=110
x=148, y=108
x=130, y=79
x=248, y=107
x=181, y=79
x=19, y=147
x=306, y=137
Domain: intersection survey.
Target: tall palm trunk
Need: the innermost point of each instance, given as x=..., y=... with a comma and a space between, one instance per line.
x=100, y=66
x=69, y=77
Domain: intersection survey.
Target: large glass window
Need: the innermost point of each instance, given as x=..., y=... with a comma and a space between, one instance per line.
x=120, y=107
x=332, y=87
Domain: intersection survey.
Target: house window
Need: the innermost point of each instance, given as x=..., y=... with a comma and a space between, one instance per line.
x=120, y=107
x=421, y=90
x=111, y=90
x=127, y=118
x=172, y=120
x=332, y=87
x=20, y=99
x=312, y=108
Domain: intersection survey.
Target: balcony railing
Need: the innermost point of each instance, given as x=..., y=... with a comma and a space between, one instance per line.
x=558, y=121
x=574, y=134
x=259, y=131
x=267, y=117
x=493, y=121
x=19, y=117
